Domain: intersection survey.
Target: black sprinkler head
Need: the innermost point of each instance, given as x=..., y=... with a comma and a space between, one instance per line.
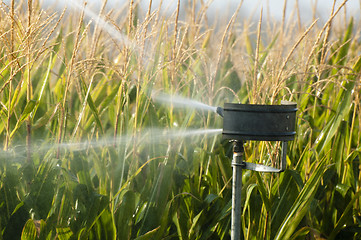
x=259, y=122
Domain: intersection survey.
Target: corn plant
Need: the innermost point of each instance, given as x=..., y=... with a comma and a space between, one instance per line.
x=88, y=153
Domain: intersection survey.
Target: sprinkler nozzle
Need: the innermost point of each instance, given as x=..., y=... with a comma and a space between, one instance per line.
x=219, y=110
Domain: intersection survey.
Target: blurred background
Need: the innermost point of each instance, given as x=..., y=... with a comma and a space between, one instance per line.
x=308, y=9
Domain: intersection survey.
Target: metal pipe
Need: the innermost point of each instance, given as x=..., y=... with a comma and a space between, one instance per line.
x=237, y=164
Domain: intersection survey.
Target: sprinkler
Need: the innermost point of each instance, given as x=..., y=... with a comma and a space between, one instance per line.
x=242, y=122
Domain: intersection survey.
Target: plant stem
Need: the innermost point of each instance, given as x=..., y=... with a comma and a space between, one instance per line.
x=7, y=138
x=29, y=86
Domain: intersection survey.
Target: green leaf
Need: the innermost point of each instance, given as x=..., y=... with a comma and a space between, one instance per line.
x=342, y=189
x=58, y=41
x=344, y=217
x=301, y=204
x=249, y=47
x=148, y=235
x=284, y=193
x=16, y=223
x=92, y=105
x=29, y=231
x=124, y=214
x=181, y=228
x=106, y=103
x=263, y=192
x=46, y=118
x=64, y=233
x=18, y=96
x=247, y=207
x=342, y=52
x=26, y=113
x=302, y=233
x=342, y=110
x=45, y=80
x=267, y=50
x=194, y=223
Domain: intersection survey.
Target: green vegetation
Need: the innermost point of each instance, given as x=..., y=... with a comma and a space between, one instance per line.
x=66, y=83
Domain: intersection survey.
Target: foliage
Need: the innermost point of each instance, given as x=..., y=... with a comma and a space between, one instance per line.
x=89, y=154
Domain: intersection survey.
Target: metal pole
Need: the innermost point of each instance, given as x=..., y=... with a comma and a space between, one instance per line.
x=237, y=164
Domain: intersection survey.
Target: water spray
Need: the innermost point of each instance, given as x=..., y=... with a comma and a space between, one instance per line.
x=103, y=24
x=146, y=136
x=180, y=102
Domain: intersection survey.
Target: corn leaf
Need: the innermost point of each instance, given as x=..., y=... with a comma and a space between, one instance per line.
x=29, y=231
x=30, y=106
x=301, y=204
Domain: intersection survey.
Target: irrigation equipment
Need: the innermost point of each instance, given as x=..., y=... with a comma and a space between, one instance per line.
x=242, y=122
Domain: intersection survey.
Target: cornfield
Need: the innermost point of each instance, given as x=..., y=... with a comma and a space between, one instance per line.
x=88, y=153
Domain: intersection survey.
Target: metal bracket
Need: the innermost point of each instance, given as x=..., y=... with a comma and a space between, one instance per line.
x=263, y=168
x=242, y=164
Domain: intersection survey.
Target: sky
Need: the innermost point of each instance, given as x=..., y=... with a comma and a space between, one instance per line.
x=249, y=7
x=225, y=8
